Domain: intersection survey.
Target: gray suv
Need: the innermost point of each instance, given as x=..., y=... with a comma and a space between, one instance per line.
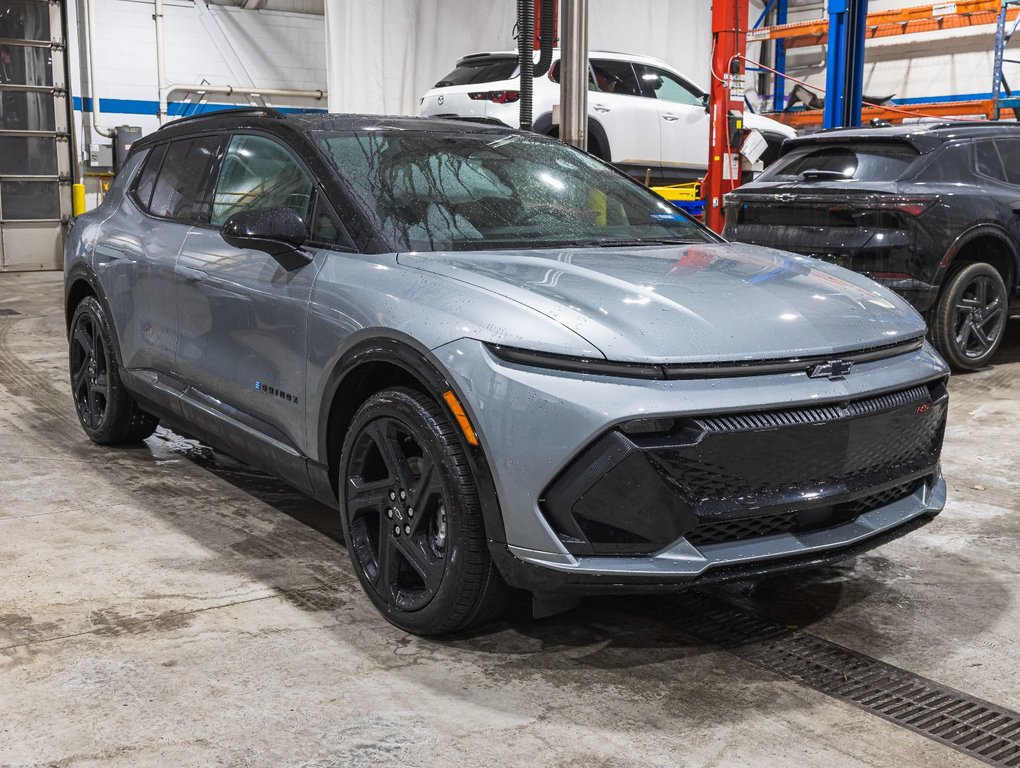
x=507, y=365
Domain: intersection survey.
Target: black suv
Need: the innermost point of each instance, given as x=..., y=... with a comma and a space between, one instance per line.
x=932, y=211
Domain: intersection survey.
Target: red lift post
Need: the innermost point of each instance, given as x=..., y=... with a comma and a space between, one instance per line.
x=726, y=105
x=538, y=22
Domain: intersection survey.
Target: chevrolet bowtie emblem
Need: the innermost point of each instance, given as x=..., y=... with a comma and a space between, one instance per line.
x=832, y=369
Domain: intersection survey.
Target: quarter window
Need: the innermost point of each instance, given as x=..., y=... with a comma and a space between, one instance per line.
x=181, y=191
x=147, y=178
x=259, y=173
x=987, y=161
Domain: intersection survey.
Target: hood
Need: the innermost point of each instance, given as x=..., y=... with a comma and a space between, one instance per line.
x=762, y=123
x=690, y=303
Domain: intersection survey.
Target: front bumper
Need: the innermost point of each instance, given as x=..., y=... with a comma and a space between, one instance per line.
x=538, y=425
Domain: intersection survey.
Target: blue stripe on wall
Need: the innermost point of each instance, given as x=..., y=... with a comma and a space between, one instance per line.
x=941, y=99
x=174, y=108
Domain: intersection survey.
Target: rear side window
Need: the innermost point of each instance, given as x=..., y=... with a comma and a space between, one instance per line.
x=987, y=161
x=615, y=77
x=1009, y=148
x=861, y=162
x=486, y=70
x=183, y=187
x=147, y=178
x=260, y=173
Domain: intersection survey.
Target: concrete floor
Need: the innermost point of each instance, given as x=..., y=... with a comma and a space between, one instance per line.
x=166, y=606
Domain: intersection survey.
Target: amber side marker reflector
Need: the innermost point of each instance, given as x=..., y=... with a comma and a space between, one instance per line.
x=458, y=413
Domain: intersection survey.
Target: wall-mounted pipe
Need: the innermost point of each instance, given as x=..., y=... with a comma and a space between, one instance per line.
x=157, y=16
x=230, y=90
x=90, y=25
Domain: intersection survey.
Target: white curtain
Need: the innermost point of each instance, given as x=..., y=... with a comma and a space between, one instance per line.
x=384, y=54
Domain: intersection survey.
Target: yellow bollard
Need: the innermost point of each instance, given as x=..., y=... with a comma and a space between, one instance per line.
x=77, y=199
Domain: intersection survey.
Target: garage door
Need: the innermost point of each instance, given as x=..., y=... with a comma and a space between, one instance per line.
x=35, y=191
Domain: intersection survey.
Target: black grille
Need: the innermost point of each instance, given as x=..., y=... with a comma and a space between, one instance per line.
x=758, y=459
x=757, y=526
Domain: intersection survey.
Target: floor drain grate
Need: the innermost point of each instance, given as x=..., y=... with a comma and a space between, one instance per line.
x=5, y=311
x=977, y=728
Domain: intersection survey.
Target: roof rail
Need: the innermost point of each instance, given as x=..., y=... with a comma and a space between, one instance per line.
x=256, y=111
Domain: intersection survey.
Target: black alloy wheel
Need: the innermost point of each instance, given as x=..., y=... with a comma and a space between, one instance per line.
x=970, y=316
x=106, y=410
x=411, y=517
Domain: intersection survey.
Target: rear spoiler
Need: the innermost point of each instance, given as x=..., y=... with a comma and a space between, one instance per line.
x=921, y=142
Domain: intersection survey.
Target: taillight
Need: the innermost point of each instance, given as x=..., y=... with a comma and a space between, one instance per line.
x=912, y=206
x=497, y=97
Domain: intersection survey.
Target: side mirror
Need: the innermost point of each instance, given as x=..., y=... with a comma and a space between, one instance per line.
x=277, y=231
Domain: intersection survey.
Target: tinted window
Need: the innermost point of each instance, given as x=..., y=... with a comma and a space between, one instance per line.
x=182, y=187
x=326, y=227
x=660, y=84
x=481, y=71
x=987, y=161
x=863, y=162
x=259, y=173
x=554, y=75
x=147, y=178
x=615, y=77
x=467, y=191
x=1009, y=149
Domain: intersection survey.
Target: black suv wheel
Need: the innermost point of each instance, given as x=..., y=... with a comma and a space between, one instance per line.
x=106, y=410
x=412, y=519
x=970, y=316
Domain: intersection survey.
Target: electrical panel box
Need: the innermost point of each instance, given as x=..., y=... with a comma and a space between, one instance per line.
x=100, y=155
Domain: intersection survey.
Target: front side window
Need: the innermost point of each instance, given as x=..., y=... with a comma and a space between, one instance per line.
x=615, y=77
x=660, y=84
x=437, y=190
x=182, y=188
x=258, y=172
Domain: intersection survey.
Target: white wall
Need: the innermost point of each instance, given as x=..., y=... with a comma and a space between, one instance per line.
x=384, y=55
x=215, y=44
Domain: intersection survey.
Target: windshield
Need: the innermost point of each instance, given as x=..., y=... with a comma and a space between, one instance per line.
x=867, y=161
x=470, y=191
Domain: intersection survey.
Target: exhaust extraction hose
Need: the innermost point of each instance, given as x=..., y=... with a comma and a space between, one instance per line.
x=546, y=36
x=526, y=57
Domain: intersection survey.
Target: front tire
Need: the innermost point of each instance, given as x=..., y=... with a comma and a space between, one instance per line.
x=412, y=518
x=970, y=316
x=106, y=410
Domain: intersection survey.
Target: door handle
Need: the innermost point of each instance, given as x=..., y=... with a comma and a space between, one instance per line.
x=190, y=274
x=600, y=108
x=671, y=118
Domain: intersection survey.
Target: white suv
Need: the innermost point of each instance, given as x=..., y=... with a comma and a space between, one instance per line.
x=642, y=115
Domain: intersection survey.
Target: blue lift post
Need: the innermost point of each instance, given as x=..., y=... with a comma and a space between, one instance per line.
x=779, y=64
x=779, y=86
x=844, y=75
x=1002, y=38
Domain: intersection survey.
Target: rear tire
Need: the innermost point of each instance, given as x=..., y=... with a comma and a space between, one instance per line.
x=106, y=410
x=412, y=518
x=970, y=315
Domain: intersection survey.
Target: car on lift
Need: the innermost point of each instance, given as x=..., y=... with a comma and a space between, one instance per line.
x=502, y=361
x=643, y=116
x=930, y=210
